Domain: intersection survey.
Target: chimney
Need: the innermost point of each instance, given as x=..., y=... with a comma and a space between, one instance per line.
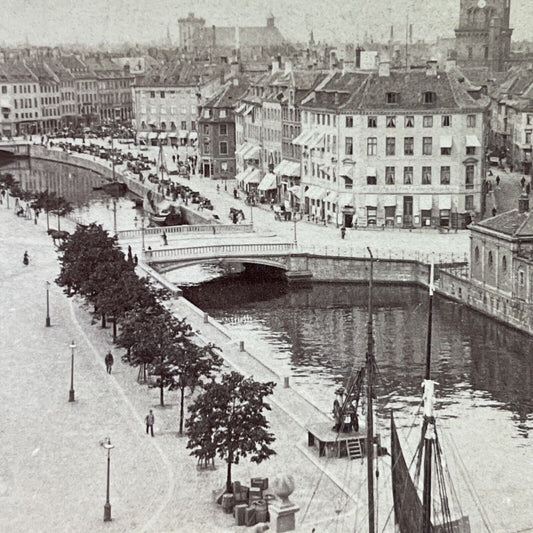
x=523, y=202
x=288, y=66
x=275, y=66
x=234, y=69
x=279, y=62
x=222, y=77
x=214, y=36
x=431, y=67
x=451, y=64
x=384, y=69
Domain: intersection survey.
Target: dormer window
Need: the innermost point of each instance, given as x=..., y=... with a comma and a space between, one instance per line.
x=393, y=98
x=222, y=113
x=430, y=97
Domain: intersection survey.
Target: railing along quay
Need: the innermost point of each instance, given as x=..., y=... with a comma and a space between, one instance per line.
x=213, y=229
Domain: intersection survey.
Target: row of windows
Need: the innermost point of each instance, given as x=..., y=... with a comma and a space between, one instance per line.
x=426, y=176
x=293, y=115
x=408, y=146
x=391, y=121
x=27, y=115
x=163, y=94
x=271, y=114
x=163, y=126
x=291, y=131
x=222, y=129
x=25, y=103
x=51, y=112
x=173, y=110
x=222, y=147
x=47, y=100
x=211, y=113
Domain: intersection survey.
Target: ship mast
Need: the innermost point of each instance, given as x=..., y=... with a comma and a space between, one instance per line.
x=369, y=413
x=429, y=418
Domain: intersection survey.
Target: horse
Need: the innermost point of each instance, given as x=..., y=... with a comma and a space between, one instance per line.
x=58, y=235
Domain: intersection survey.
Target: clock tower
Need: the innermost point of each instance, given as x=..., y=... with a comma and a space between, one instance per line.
x=483, y=38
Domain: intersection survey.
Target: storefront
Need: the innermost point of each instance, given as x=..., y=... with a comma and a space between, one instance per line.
x=445, y=206
x=371, y=204
x=389, y=203
x=426, y=206
x=268, y=187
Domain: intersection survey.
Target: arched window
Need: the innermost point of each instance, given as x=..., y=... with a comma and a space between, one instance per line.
x=504, y=264
x=490, y=260
x=476, y=255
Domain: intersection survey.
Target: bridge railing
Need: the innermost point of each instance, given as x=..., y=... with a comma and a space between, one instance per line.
x=219, y=250
x=213, y=229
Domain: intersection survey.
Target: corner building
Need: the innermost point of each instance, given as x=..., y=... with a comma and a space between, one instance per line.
x=401, y=149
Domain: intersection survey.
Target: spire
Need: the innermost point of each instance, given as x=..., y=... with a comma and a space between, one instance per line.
x=311, y=39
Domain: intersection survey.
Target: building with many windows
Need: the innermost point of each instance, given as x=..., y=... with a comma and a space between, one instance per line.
x=216, y=131
x=166, y=102
x=403, y=149
x=50, y=96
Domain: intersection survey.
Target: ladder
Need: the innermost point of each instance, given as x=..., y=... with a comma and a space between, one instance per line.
x=354, y=449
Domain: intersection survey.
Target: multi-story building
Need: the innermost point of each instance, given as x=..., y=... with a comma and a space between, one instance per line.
x=190, y=32
x=166, y=102
x=67, y=94
x=502, y=255
x=114, y=84
x=50, y=96
x=483, y=38
x=20, y=100
x=404, y=148
x=511, y=119
x=86, y=89
x=216, y=131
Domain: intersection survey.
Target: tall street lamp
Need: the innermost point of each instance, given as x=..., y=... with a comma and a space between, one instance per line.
x=47, y=323
x=107, y=507
x=71, y=392
x=142, y=231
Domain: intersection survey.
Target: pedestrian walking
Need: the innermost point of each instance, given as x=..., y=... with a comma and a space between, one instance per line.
x=173, y=158
x=109, y=362
x=165, y=240
x=135, y=260
x=130, y=255
x=497, y=181
x=218, y=188
x=150, y=419
x=343, y=232
x=523, y=181
x=26, y=259
x=494, y=211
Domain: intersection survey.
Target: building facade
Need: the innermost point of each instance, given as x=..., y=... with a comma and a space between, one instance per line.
x=483, y=37
x=402, y=149
x=216, y=131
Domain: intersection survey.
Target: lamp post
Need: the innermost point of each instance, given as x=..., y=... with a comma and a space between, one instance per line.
x=47, y=323
x=107, y=507
x=71, y=392
x=142, y=231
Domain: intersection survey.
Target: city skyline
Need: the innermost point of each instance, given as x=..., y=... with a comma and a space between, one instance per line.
x=121, y=21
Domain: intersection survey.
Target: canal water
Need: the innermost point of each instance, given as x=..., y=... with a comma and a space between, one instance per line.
x=317, y=334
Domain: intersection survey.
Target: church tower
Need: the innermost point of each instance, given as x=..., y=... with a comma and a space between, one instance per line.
x=483, y=38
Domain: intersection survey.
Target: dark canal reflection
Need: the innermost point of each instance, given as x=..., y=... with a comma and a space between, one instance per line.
x=320, y=334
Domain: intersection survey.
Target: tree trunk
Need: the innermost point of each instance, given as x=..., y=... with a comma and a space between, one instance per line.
x=47, y=221
x=181, y=409
x=104, y=323
x=229, y=487
x=161, y=392
x=114, y=329
x=58, y=222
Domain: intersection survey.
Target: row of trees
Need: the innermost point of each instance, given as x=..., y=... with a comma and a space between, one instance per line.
x=226, y=416
x=46, y=201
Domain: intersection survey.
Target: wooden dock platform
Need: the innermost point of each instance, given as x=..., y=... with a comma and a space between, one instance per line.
x=337, y=444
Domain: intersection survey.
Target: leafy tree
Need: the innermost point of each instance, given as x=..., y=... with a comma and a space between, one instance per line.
x=192, y=363
x=227, y=420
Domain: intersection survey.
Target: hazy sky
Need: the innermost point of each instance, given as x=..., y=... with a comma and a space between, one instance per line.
x=48, y=22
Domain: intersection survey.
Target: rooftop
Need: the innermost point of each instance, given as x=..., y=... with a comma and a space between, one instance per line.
x=511, y=223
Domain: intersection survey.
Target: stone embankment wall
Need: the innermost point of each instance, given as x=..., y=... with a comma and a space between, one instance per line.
x=103, y=168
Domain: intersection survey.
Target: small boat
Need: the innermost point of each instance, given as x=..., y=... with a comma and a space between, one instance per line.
x=115, y=188
x=168, y=216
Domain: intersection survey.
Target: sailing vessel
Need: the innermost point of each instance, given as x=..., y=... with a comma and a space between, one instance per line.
x=413, y=515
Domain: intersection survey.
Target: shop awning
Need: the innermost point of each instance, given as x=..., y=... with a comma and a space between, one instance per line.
x=315, y=193
x=445, y=141
x=332, y=196
x=295, y=190
x=345, y=199
x=347, y=170
x=278, y=169
x=152, y=135
x=242, y=148
x=242, y=175
x=173, y=134
x=472, y=140
x=293, y=169
x=371, y=171
x=253, y=177
x=305, y=135
x=142, y=135
x=163, y=135
x=426, y=202
x=252, y=152
x=248, y=110
x=316, y=141
x=445, y=201
x=183, y=134
x=389, y=201
x=268, y=183
x=371, y=200
x=193, y=135
x=241, y=108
